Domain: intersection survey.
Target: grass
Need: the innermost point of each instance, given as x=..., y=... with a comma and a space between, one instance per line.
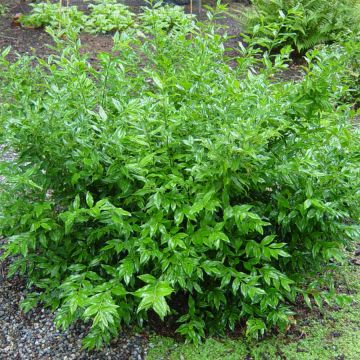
x=329, y=334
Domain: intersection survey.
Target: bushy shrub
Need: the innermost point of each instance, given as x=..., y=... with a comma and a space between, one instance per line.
x=351, y=51
x=166, y=18
x=301, y=24
x=161, y=175
x=108, y=16
x=54, y=15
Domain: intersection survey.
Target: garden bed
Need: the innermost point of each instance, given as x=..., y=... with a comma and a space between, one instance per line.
x=36, y=41
x=170, y=182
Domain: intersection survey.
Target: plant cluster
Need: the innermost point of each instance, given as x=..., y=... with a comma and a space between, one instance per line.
x=54, y=16
x=165, y=18
x=161, y=174
x=351, y=50
x=302, y=24
x=108, y=16
x=105, y=16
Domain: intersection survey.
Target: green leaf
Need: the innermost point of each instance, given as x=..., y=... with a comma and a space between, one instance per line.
x=307, y=203
x=153, y=296
x=157, y=81
x=307, y=300
x=147, y=278
x=76, y=203
x=89, y=200
x=254, y=327
x=267, y=240
x=102, y=114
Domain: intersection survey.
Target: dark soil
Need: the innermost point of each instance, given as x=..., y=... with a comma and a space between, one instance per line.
x=22, y=41
x=36, y=41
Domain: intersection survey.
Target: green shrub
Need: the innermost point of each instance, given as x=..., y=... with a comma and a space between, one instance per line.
x=108, y=16
x=160, y=174
x=301, y=24
x=347, y=55
x=166, y=18
x=54, y=15
x=351, y=51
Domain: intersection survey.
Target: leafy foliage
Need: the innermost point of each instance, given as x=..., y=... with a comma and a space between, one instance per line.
x=54, y=15
x=109, y=16
x=166, y=18
x=106, y=16
x=160, y=172
x=351, y=52
x=301, y=24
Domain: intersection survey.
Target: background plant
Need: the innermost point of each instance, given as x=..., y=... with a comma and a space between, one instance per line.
x=108, y=16
x=351, y=50
x=54, y=15
x=166, y=18
x=302, y=24
x=161, y=173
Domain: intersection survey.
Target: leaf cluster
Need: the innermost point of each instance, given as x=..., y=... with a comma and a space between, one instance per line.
x=54, y=15
x=303, y=24
x=104, y=16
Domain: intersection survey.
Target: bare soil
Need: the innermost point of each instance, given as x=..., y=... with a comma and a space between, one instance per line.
x=36, y=41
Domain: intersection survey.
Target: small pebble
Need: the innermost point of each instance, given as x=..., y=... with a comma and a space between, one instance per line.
x=33, y=336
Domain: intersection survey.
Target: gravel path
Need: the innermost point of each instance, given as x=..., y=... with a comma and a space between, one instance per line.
x=33, y=336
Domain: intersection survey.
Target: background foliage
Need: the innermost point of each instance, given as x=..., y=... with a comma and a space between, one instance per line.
x=104, y=16
x=301, y=24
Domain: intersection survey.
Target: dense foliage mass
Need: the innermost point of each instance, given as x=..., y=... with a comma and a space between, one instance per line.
x=161, y=175
x=104, y=16
x=301, y=24
x=109, y=16
x=54, y=15
x=351, y=48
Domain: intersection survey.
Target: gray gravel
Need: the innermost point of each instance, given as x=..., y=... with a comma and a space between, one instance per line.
x=6, y=154
x=33, y=336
